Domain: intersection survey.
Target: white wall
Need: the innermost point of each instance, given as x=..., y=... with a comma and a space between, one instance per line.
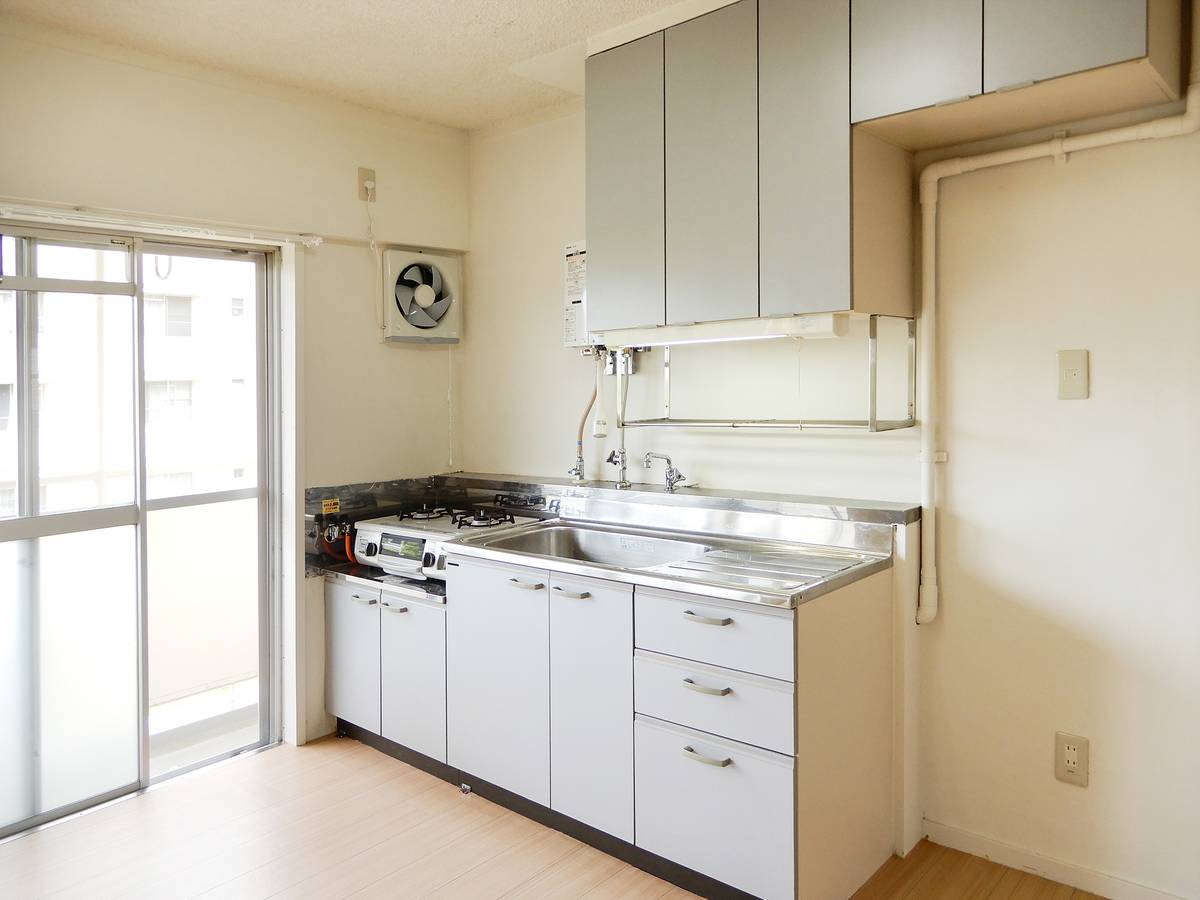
x=522, y=393
x=107, y=127
x=1068, y=600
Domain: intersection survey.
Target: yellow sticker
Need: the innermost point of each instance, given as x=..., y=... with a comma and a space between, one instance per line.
x=331, y=505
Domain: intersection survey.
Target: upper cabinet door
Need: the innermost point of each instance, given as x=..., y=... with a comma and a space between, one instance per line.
x=906, y=54
x=1031, y=40
x=804, y=156
x=624, y=109
x=712, y=166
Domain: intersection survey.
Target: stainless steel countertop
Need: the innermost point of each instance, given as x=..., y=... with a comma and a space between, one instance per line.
x=875, y=512
x=770, y=573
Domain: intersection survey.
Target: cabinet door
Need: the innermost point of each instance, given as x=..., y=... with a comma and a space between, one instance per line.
x=1030, y=40
x=906, y=54
x=625, y=253
x=412, y=663
x=804, y=156
x=352, y=654
x=591, y=703
x=498, y=675
x=717, y=806
x=712, y=166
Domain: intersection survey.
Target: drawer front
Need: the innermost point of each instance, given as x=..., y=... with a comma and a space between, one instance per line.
x=716, y=806
x=746, y=708
x=731, y=635
x=412, y=666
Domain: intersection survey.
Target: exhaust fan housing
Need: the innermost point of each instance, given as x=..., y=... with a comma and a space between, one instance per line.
x=422, y=296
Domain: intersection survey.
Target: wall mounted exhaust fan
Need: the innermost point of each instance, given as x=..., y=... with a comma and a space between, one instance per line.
x=422, y=295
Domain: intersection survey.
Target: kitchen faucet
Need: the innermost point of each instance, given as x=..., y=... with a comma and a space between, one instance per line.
x=674, y=476
x=617, y=458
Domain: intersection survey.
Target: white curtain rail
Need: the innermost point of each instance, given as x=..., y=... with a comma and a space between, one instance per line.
x=26, y=210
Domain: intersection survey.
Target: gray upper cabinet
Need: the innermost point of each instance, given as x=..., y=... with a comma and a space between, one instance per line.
x=712, y=166
x=624, y=111
x=1031, y=40
x=804, y=156
x=907, y=54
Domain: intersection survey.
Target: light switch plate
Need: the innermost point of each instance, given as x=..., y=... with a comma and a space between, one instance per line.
x=1071, y=758
x=1073, y=376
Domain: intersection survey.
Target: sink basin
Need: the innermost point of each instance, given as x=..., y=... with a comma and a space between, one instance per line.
x=622, y=550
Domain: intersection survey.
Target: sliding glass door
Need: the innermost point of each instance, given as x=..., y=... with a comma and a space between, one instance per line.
x=133, y=514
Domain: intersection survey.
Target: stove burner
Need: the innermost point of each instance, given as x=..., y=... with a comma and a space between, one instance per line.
x=483, y=517
x=426, y=512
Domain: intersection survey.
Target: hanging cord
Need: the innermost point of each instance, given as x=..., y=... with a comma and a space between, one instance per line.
x=450, y=407
x=380, y=316
x=170, y=264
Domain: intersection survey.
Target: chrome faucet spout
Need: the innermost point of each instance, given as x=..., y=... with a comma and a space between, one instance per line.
x=617, y=458
x=674, y=476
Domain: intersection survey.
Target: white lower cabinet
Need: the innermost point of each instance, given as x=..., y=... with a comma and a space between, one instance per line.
x=412, y=662
x=720, y=807
x=746, y=708
x=591, y=703
x=352, y=653
x=498, y=675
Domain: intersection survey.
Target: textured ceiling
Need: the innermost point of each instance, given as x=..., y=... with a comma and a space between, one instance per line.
x=445, y=61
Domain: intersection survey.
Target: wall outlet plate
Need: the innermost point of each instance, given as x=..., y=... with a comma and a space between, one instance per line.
x=365, y=175
x=1073, y=375
x=1071, y=758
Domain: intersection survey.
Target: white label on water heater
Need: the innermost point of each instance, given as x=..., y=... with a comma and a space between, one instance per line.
x=575, y=332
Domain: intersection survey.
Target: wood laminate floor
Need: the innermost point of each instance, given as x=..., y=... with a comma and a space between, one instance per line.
x=339, y=819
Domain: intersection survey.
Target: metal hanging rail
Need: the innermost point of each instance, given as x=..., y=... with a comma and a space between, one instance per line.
x=872, y=423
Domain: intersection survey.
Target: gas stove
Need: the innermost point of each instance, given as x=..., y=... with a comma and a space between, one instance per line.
x=410, y=544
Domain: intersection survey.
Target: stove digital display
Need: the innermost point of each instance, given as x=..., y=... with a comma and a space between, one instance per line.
x=401, y=547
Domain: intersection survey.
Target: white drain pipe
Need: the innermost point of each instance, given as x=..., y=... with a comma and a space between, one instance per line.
x=931, y=177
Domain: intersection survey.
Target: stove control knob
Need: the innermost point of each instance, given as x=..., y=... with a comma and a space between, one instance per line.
x=370, y=549
x=428, y=560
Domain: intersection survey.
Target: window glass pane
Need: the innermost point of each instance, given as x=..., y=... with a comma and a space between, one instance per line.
x=201, y=374
x=98, y=262
x=8, y=404
x=85, y=401
x=8, y=255
x=68, y=670
x=204, y=659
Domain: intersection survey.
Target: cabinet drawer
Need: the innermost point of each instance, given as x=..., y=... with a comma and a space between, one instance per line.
x=412, y=666
x=731, y=635
x=746, y=708
x=716, y=806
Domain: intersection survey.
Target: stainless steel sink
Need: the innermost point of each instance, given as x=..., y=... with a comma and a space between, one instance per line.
x=620, y=549
x=750, y=570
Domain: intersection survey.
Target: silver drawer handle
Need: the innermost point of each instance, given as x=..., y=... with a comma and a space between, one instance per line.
x=395, y=609
x=701, y=689
x=582, y=595
x=526, y=586
x=707, y=760
x=365, y=601
x=706, y=620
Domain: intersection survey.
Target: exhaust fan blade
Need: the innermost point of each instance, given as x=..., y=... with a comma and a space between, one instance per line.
x=404, y=295
x=420, y=318
x=436, y=281
x=438, y=308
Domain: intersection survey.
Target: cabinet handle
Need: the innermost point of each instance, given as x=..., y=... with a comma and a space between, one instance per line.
x=395, y=609
x=365, y=601
x=526, y=586
x=707, y=760
x=706, y=620
x=701, y=689
x=582, y=595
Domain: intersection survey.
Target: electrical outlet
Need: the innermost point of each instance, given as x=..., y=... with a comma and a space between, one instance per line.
x=1071, y=758
x=1073, y=375
x=365, y=192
